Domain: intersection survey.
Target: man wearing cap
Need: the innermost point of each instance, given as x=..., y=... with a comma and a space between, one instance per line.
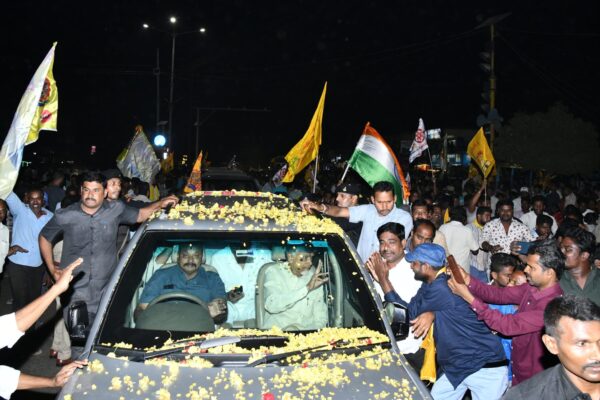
x=382, y=210
x=347, y=196
x=468, y=354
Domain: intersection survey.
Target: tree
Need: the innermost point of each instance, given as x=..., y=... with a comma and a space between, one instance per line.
x=554, y=141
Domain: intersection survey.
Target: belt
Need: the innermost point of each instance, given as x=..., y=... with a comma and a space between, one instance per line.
x=496, y=364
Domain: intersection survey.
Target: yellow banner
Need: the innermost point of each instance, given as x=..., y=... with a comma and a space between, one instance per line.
x=480, y=153
x=307, y=148
x=195, y=180
x=46, y=114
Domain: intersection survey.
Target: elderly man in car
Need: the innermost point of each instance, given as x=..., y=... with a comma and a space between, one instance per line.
x=294, y=296
x=188, y=276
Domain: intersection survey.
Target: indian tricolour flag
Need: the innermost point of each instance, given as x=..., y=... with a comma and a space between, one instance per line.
x=375, y=161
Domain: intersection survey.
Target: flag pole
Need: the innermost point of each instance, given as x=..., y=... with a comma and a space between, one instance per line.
x=345, y=172
x=314, y=188
x=432, y=173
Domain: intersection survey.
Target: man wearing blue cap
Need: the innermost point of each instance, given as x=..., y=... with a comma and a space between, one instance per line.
x=468, y=354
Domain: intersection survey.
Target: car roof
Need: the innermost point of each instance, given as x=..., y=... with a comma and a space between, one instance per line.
x=240, y=211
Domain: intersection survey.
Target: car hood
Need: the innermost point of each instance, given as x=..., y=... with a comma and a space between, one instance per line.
x=379, y=375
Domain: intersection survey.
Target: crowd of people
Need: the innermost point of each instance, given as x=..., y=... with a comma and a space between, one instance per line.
x=521, y=313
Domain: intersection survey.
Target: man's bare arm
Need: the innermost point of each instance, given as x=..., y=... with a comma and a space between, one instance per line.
x=147, y=211
x=330, y=210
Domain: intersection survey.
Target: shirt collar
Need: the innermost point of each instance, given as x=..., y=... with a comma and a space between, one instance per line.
x=552, y=291
x=570, y=390
x=477, y=224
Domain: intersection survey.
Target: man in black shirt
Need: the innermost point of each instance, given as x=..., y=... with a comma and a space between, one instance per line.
x=573, y=334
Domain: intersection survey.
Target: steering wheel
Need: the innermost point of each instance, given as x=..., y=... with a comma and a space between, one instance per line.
x=179, y=294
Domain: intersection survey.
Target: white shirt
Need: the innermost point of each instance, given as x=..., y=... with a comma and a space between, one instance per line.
x=232, y=275
x=4, y=244
x=289, y=304
x=530, y=219
x=9, y=335
x=481, y=259
x=570, y=199
x=460, y=242
x=403, y=280
x=368, y=242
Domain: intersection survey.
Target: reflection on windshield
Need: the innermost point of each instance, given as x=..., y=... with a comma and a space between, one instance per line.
x=183, y=282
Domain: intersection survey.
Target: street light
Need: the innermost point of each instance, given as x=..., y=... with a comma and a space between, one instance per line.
x=174, y=34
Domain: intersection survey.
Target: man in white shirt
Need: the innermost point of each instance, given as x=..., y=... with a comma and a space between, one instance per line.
x=480, y=261
x=391, y=248
x=13, y=326
x=538, y=208
x=382, y=210
x=460, y=239
x=238, y=268
x=294, y=295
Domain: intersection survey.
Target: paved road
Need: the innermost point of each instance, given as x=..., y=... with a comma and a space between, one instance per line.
x=22, y=357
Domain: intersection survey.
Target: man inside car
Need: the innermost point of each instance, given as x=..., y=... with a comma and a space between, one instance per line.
x=188, y=276
x=294, y=297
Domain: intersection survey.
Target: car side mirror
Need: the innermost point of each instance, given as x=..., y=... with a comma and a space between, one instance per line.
x=78, y=322
x=397, y=316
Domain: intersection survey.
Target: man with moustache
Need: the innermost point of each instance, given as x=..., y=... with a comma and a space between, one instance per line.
x=400, y=278
x=573, y=334
x=25, y=266
x=470, y=357
x=581, y=277
x=188, y=276
x=383, y=209
x=347, y=196
x=89, y=230
x=545, y=265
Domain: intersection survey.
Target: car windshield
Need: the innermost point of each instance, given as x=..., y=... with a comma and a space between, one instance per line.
x=180, y=283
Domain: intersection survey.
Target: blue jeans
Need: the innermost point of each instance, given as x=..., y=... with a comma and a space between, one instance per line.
x=485, y=384
x=480, y=275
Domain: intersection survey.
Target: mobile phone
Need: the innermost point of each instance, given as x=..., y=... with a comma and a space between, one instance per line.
x=456, y=273
x=524, y=247
x=238, y=290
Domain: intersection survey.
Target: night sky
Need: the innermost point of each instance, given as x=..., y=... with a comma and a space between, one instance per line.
x=388, y=62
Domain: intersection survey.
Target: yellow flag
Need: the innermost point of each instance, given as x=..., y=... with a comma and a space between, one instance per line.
x=167, y=164
x=480, y=153
x=307, y=148
x=46, y=114
x=195, y=180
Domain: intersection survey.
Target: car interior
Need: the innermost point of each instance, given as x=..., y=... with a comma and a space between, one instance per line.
x=343, y=306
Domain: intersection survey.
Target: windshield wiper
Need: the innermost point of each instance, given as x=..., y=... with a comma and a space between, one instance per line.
x=204, y=344
x=269, y=358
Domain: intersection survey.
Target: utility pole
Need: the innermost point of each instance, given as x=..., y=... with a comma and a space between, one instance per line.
x=492, y=82
x=157, y=74
x=492, y=117
x=170, y=135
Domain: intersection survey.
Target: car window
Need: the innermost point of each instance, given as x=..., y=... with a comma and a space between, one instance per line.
x=173, y=281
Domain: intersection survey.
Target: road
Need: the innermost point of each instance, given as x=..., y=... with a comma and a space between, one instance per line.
x=22, y=357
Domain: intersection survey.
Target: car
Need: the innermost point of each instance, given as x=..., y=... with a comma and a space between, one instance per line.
x=157, y=338
x=225, y=178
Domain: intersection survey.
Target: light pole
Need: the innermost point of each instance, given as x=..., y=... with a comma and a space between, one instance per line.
x=173, y=33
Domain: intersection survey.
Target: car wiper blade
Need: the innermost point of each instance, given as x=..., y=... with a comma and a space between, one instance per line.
x=204, y=344
x=269, y=358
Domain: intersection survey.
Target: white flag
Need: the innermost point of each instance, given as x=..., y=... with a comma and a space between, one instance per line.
x=419, y=144
x=27, y=122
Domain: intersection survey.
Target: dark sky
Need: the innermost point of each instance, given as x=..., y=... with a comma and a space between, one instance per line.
x=388, y=62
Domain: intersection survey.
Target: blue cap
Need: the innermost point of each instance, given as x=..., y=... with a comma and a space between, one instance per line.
x=432, y=254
